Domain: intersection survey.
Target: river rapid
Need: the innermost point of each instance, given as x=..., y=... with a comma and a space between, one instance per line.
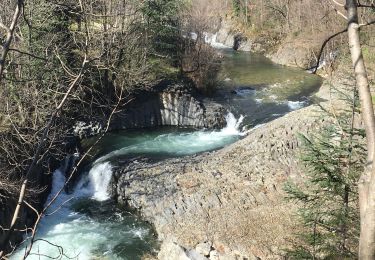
x=87, y=224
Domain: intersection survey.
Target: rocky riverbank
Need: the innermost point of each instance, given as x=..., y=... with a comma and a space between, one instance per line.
x=287, y=51
x=227, y=204
x=166, y=104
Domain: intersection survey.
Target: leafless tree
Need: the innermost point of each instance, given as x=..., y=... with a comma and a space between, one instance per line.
x=92, y=68
x=367, y=179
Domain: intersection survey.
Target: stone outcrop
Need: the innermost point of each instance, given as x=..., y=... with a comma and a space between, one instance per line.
x=226, y=204
x=173, y=104
x=293, y=54
x=232, y=38
x=290, y=51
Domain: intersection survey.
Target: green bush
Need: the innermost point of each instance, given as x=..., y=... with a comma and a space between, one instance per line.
x=328, y=197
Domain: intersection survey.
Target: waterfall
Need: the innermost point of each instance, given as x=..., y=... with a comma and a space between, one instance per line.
x=95, y=184
x=211, y=39
x=233, y=125
x=80, y=235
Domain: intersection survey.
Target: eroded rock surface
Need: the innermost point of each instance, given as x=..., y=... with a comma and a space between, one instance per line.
x=232, y=199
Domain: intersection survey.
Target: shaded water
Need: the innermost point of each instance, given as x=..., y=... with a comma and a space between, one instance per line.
x=89, y=226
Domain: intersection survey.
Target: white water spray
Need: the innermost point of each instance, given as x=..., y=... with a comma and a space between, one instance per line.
x=181, y=143
x=81, y=236
x=96, y=183
x=294, y=105
x=233, y=125
x=211, y=39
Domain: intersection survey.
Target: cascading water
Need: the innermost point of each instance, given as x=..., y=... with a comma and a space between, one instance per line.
x=88, y=226
x=156, y=144
x=84, y=228
x=95, y=184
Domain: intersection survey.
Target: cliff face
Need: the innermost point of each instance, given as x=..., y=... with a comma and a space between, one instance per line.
x=175, y=105
x=168, y=105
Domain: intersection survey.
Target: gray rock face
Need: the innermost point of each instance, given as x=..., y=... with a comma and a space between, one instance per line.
x=236, y=40
x=176, y=105
x=173, y=105
x=292, y=55
x=232, y=197
x=172, y=251
x=227, y=204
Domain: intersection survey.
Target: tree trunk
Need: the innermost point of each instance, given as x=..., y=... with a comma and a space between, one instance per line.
x=9, y=36
x=367, y=180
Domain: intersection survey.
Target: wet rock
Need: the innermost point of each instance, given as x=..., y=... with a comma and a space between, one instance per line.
x=238, y=40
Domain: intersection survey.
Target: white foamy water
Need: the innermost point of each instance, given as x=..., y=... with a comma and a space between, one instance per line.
x=79, y=235
x=294, y=105
x=95, y=184
x=233, y=125
x=76, y=225
x=181, y=143
x=211, y=39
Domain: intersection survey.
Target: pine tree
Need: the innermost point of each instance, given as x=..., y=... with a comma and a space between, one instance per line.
x=328, y=197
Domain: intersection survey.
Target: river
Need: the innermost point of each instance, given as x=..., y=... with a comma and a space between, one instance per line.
x=87, y=224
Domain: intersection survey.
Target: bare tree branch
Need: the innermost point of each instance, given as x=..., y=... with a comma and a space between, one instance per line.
x=37, y=154
x=9, y=36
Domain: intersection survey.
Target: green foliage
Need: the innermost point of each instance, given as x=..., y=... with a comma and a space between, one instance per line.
x=163, y=28
x=327, y=198
x=236, y=5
